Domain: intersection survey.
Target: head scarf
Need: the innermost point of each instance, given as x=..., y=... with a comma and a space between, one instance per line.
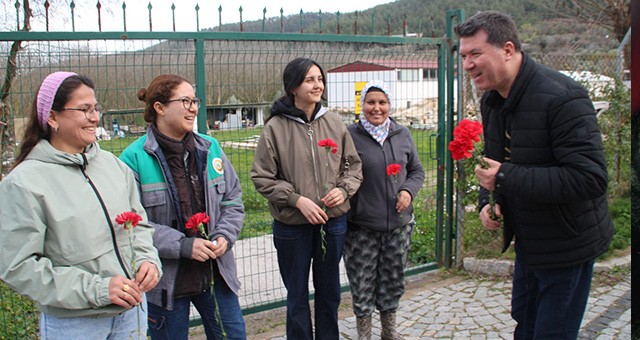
x=46, y=95
x=378, y=84
x=380, y=132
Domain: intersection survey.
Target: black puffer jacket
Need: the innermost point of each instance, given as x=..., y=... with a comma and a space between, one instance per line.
x=553, y=191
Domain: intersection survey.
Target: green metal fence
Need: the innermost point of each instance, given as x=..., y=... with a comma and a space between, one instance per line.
x=238, y=75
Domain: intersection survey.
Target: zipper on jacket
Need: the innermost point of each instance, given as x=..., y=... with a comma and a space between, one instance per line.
x=187, y=174
x=315, y=163
x=106, y=214
x=388, y=179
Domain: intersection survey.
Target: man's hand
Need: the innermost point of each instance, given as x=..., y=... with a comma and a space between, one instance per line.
x=487, y=177
x=485, y=217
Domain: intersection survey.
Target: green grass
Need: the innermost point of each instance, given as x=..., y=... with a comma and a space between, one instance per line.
x=620, y=209
x=483, y=243
x=19, y=316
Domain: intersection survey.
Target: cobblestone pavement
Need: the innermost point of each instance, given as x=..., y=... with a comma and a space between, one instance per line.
x=478, y=308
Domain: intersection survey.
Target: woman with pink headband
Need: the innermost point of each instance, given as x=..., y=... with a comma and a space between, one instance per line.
x=62, y=238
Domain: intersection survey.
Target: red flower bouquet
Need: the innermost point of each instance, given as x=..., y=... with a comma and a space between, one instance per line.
x=196, y=224
x=330, y=146
x=465, y=135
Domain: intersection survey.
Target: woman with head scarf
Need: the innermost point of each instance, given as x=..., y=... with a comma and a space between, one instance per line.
x=381, y=219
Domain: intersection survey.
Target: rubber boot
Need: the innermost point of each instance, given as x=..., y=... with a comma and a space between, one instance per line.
x=389, y=332
x=364, y=328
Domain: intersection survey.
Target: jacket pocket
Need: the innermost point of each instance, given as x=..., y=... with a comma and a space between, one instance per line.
x=152, y=199
x=337, y=226
x=574, y=217
x=221, y=188
x=219, y=184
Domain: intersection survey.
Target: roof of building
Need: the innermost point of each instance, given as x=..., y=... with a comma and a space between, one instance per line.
x=384, y=65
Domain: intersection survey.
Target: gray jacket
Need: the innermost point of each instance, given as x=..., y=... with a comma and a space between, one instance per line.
x=223, y=196
x=373, y=206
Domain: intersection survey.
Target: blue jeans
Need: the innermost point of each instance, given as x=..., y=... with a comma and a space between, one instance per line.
x=120, y=327
x=297, y=247
x=174, y=324
x=549, y=303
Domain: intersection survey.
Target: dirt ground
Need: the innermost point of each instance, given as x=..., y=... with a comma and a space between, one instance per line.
x=269, y=324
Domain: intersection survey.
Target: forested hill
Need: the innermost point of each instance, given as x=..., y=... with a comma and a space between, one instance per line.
x=543, y=27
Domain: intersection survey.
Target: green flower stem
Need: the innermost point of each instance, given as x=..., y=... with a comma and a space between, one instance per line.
x=212, y=286
x=215, y=302
x=323, y=233
x=492, y=199
x=135, y=265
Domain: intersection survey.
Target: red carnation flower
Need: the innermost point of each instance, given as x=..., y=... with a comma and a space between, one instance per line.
x=197, y=222
x=129, y=219
x=465, y=135
x=468, y=130
x=460, y=149
x=329, y=145
x=393, y=169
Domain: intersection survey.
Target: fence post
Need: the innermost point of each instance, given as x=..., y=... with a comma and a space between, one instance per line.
x=454, y=214
x=197, y=18
x=201, y=91
x=149, y=7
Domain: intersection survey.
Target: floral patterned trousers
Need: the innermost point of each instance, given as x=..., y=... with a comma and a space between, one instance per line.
x=375, y=262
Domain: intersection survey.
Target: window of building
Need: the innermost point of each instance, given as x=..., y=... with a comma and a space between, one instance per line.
x=429, y=74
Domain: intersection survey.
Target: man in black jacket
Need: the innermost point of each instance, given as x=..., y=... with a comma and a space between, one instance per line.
x=548, y=173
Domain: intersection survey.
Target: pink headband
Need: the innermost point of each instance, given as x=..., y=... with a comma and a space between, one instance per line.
x=46, y=95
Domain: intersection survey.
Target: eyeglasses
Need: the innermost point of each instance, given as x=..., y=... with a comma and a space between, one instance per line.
x=88, y=111
x=187, y=102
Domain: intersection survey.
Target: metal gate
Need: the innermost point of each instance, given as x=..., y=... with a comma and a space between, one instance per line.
x=238, y=75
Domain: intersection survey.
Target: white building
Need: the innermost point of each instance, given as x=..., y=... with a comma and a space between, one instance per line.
x=411, y=81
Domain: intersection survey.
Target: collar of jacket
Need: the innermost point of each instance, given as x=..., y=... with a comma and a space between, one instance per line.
x=283, y=106
x=518, y=88
x=321, y=112
x=45, y=152
x=151, y=144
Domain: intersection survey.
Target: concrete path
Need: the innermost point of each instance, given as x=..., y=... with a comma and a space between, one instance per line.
x=477, y=307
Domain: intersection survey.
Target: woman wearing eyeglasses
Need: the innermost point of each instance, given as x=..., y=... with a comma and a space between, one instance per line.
x=60, y=243
x=182, y=173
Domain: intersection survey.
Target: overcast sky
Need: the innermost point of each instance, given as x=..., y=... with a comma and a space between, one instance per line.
x=137, y=13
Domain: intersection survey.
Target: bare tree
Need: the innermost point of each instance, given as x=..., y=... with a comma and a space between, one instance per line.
x=614, y=15
x=6, y=124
